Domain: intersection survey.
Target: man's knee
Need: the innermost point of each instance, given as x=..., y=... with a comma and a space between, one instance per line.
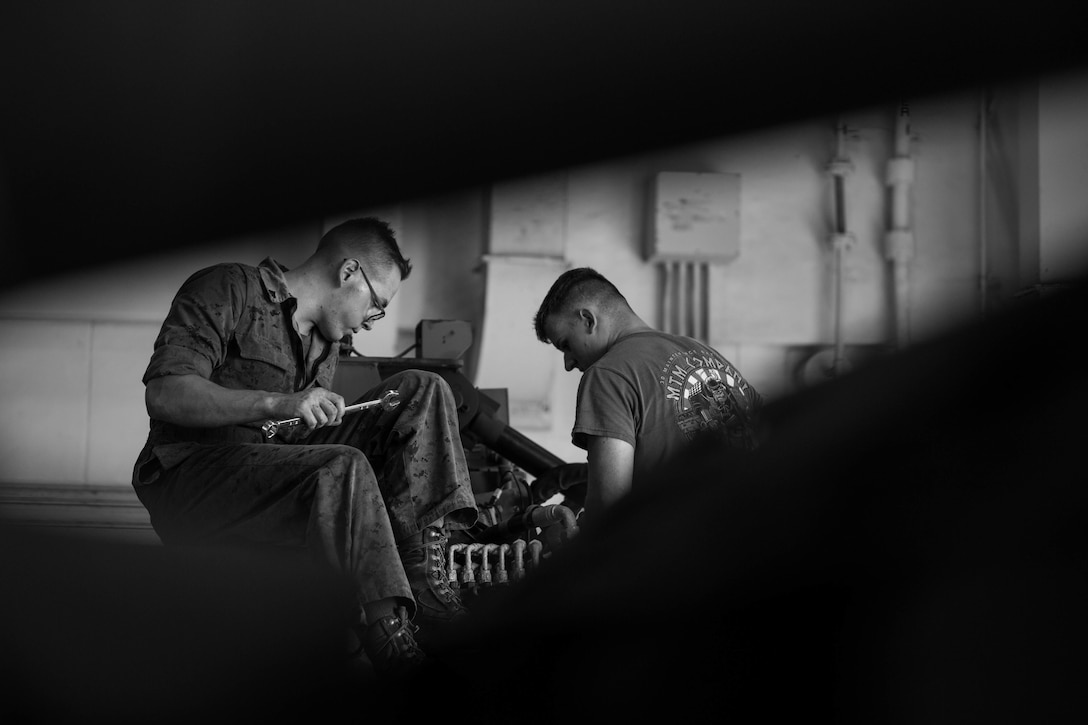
x=422, y=385
x=345, y=462
x=413, y=379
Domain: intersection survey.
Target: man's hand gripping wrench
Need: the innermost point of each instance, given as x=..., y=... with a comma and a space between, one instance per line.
x=389, y=400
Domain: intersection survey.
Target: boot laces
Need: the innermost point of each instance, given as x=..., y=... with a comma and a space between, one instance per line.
x=402, y=639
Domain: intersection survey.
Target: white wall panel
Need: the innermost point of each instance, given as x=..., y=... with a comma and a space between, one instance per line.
x=45, y=386
x=945, y=270
x=510, y=356
x=118, y=418
x=1063, y=177
x=526, y=238
x=777, y=290
x=528, y=216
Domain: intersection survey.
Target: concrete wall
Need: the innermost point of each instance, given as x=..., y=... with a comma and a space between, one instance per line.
x=72, y=349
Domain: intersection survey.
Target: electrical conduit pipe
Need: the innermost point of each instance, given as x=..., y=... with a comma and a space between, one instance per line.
x=899, y=239
x=840, y=167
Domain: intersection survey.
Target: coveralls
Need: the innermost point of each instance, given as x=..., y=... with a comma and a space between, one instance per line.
x=348, y=493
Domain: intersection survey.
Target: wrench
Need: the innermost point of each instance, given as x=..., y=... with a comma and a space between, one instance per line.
x=389, y=400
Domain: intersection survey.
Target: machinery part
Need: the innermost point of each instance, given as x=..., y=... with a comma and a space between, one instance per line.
x=500, y=576
x=512, y=445
x=489, y=509
x=475, y=568
x=451, y=572
x=536, y=550
x=534, y=516
x=485, y=568
x=519, y=560
x=468, y=576
x=389, y=400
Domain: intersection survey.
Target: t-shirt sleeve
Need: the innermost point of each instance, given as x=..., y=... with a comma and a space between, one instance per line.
x=200, y=323
x=607, y=406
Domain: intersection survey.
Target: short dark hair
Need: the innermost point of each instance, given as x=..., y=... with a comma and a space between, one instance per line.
x=571, y=288
x=372, y=234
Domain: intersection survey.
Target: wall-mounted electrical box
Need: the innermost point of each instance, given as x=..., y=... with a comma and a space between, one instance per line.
x=446, y=339
x=694, y=216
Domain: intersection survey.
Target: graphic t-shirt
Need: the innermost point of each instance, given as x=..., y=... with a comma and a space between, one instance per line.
x=660, y=392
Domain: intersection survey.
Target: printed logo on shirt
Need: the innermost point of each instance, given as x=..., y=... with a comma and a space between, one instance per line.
x=709, y=396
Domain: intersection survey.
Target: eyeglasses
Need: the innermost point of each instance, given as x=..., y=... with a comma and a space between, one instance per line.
x=373, y=296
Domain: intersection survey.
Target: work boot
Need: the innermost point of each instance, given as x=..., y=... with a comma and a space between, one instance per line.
x=424, y=560
x=390, y=645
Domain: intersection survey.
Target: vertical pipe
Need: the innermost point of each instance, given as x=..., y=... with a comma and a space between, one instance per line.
x=689, y=299
x=901, y=181
x=696, y=300
x=704, y=303
x=683, y=298
x=838, y=337
x=675, y=297
x=840, y=230
x=666, y=295
x=840, y=166
x=840, y=205
x=983, y=262
x=900, y=236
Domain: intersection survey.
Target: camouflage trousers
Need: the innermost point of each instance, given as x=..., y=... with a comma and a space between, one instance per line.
x=347, y=494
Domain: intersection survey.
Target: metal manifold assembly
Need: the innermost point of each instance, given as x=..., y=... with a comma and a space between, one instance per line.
x=508, y=551
x=482, y=565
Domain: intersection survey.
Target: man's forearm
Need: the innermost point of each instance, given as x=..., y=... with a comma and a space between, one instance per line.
x=195, y=402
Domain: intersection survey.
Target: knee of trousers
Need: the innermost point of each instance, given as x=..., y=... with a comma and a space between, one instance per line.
x=411, y=382
x=347, y=464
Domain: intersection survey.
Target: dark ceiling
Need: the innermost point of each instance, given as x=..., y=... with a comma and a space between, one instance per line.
x=139, y=125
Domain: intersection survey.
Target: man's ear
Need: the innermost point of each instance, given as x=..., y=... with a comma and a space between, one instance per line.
x=348, y=269
x=588, y=319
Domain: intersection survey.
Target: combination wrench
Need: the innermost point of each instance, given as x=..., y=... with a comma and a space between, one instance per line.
x=389, y=400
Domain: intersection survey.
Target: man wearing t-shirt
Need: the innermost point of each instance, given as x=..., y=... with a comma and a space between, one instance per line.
x=644, y=395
